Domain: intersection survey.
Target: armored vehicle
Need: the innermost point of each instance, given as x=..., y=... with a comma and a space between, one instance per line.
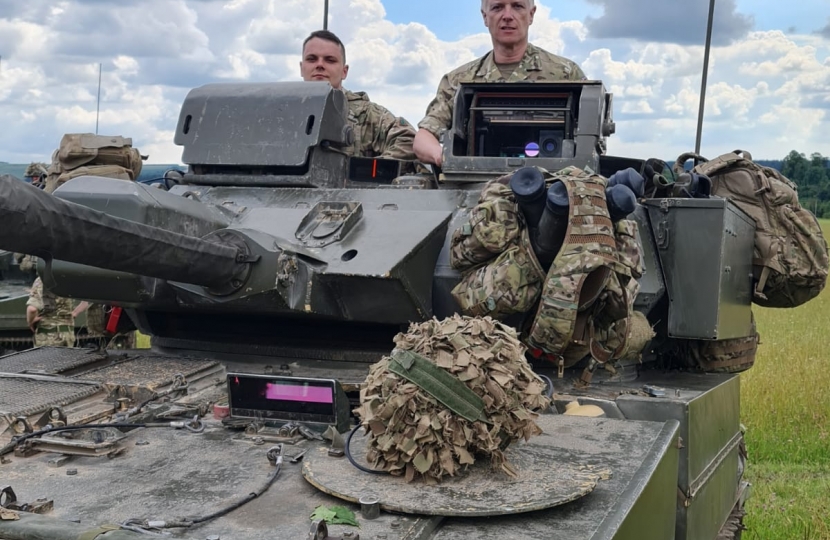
x=14, y=291
x=279, y=269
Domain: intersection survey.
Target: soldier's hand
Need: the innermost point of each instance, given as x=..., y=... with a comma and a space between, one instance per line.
x=427, y=148
x=34, y=322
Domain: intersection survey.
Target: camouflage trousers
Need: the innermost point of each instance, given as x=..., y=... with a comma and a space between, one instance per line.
x=61, y=336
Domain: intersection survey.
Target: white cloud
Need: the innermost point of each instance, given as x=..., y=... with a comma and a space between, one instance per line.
x=767, y=90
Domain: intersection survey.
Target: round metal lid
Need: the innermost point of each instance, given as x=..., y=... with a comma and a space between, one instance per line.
x=548, y=476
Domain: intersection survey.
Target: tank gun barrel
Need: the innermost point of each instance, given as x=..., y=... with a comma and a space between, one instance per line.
x=37, y=223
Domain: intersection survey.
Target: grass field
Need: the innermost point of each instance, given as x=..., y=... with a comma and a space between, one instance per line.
x=785, y=401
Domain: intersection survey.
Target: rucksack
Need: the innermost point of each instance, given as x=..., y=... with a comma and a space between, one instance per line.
x=79, y=149
x=85, y=154
x=790, y=262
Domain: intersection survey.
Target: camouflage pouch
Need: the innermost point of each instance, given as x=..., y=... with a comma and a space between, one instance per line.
x=629, y=251
x=509, y=284
x=493, y=226
x=724, y=356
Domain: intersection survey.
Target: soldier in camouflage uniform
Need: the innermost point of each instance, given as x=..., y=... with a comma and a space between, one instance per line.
x=377, y=132
x=49, y=317
x=512, y=59
x=36, y=172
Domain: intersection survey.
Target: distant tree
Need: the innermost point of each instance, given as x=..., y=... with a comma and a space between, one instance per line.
x=794, y=166
x=812, y=177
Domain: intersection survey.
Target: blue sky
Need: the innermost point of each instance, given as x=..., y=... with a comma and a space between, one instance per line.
x=451, y=19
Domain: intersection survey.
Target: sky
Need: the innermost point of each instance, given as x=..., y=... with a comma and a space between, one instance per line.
x=768, y=83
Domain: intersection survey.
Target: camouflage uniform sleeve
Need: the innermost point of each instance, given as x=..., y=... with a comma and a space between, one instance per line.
x=36, y=295
x=392, y=135
x=439, y=112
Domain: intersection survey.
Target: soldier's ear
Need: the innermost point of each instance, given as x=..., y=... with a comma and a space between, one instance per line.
x=345, y=70
x=532, y=13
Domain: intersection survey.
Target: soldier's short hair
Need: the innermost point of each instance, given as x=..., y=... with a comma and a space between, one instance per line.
x=330, y=36
x=530, y=5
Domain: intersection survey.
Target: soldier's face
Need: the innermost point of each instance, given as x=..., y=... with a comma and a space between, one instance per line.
x=508, y=20
x=323, y=61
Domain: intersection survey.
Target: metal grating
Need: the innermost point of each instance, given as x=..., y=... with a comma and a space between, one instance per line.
x=151, y=371
x=22, y=396
x=49, y=360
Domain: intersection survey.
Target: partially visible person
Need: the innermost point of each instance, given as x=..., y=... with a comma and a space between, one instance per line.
x=49, y=317
x=513, y=59
x=36, y=174
x=377, y=132
x=97, y=316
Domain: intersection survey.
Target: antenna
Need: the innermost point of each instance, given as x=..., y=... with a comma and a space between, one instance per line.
x=98, y=106
x=326, y=15
x=705, y=72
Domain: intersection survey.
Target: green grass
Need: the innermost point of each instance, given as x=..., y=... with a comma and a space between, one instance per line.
x=785, y=401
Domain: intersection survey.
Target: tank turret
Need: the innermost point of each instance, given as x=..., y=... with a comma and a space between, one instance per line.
x=276, y=248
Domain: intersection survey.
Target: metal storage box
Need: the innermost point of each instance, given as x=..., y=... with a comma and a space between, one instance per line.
x=705, y=248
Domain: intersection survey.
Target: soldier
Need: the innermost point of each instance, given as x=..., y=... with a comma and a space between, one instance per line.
x=49, y=317
x=36, y=173
x=513, y=59
x=377, y=132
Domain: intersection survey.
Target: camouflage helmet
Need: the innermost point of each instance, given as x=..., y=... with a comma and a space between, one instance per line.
x=36, y=170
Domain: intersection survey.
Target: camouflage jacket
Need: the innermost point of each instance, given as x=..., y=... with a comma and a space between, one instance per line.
x=54, y=310
x=536, y=65
x=378, y=132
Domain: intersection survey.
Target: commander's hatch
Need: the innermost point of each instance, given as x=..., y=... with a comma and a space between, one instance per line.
x=265, y=134
x=499, y=127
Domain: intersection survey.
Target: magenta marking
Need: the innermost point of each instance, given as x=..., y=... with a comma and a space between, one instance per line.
x=311, y=394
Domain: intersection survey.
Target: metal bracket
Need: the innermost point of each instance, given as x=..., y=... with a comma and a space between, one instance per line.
x=319, y=531
x=698, y=483
x=8, y=500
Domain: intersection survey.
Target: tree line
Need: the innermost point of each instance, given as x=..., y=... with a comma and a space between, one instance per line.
x=812, y=177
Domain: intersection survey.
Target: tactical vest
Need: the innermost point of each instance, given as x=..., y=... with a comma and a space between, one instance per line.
x=587, y=296
x=589, y=291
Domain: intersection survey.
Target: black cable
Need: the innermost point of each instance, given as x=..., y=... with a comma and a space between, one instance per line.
x=351, y=459
x=8, y=448
x=251, y=496
x=549, y=382
x=191, y=521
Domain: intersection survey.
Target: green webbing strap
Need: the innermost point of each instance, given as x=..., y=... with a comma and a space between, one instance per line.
x=438, y=383
x=95, y=533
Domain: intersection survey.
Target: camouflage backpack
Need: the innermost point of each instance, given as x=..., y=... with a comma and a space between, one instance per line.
x=791, y=261
x=588, y=296
x=85, y=154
